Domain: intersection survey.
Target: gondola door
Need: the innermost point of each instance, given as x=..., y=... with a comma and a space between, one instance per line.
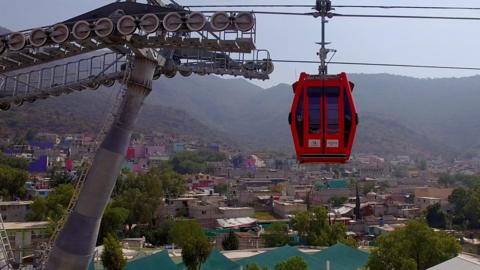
x=333, y=114
x=324, y=108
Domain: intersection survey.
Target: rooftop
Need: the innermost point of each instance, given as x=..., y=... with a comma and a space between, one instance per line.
x=25, y=225
x=5, y=203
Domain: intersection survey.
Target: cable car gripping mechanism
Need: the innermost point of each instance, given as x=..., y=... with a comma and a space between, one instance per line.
x=323, y=8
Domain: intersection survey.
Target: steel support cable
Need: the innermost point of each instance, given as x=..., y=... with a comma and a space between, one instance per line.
x=335, y=6
x=316, y=14
x=377, y=64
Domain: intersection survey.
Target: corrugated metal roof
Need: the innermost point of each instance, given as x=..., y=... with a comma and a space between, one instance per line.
x=271, y=258
x=342, y=257
x=215, y=261
x=152, y=262
x=463, y=262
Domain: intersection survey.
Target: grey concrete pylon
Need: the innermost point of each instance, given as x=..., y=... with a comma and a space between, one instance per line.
x=75, y=244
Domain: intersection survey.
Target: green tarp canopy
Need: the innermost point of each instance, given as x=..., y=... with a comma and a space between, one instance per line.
x=91, y=266
x=342, y=257
x=215, y=261
x=156, y=261
x=271, y=258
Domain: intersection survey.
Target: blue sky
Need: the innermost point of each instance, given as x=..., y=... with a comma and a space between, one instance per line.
x=429, y=42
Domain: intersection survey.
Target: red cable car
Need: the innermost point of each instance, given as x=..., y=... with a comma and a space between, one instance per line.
x=323, y=118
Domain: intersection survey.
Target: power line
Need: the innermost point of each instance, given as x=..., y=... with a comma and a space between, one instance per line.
x=377, y=64
x=336, y=6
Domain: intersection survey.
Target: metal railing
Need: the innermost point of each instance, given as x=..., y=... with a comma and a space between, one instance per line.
x=63, y=78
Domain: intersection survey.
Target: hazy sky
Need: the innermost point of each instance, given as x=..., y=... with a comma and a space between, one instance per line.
x=428, y=42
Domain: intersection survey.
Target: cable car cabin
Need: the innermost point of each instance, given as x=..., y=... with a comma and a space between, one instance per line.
x=323, y=118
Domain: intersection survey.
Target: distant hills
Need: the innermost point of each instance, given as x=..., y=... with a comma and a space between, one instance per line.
x=398, y=115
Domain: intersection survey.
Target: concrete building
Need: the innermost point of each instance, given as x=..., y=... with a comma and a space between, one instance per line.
x=425, y=202
x=286, y=209
x=26, y=237
x=15, y=211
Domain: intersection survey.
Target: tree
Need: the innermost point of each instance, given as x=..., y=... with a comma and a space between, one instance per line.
x=446, y=179
x=196, y=247
x=466, y=204
x=314, y=229
x=112, y=220
x=53, y=207
x=254, y=267
x=422, y=165
x=39, y=210
x=142, y=194
x=436, y=218
x=112, y=256
x=294, y=263
x=12, y=182
x=337, y=201
x=155, y=235
x=194, y=162
x=14, y=162
x=61, y=178
x=414, y=247
x=221, y=188
x=367, y=187
x=400, y=171
x=230, y=242
x=276, y=235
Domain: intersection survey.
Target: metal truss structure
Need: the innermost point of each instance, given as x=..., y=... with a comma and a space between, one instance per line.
x=130, y=43
x=218, y=43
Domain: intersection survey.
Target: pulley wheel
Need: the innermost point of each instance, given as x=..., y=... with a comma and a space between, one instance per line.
x=93, y=85
x=16, y=41
x=18, y=102
x=220, y=21
x=81, y=30
x=196, y=21
x=172, y=22
x=170, y=73
x=5, y=106
x=149, y=23
x=267, y=66
x=60, y=33
x=108, y=83
x=38, y=37
x=244, y=21
x=185, y=73
x=126, y=25
x=103, y=27
x=2, y=46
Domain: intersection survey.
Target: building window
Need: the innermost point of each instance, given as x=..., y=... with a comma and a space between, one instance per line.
x=204, y=212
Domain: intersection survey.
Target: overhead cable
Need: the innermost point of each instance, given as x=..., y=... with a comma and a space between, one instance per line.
x=378, y=64
x=336, y=6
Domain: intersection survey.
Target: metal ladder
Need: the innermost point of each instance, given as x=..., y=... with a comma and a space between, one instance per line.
x=6, y=249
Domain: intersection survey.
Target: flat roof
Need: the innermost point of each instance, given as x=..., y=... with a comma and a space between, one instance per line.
x=429, y=198
x=2, y=203
x=25, y=225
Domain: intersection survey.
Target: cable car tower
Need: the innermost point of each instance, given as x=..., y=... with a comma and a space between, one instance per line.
x=128, y=43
